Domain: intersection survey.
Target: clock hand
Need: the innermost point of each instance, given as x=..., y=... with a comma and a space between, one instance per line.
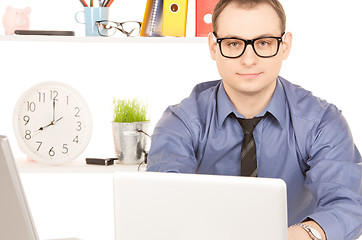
x=42, y=128
x=53, y=110
x=57, y=120
x=50, y=124
x=46, y=126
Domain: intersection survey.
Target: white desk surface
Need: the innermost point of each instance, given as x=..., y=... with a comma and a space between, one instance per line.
x=71, y=200
x=76, y=166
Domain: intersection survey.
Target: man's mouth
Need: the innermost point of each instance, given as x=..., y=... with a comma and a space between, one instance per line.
x=249, y=75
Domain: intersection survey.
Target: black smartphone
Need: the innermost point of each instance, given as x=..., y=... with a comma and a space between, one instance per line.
x=100, y=161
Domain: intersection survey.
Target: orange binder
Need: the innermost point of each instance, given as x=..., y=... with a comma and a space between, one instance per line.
x=204, y=9
x=174, y=18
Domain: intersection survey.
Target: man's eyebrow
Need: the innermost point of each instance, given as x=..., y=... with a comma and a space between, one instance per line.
x=259, y=36
x=267, y=35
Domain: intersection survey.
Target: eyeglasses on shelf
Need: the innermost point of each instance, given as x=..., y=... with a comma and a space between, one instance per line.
x=108, y=28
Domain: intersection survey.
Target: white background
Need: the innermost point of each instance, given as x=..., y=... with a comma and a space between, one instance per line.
x=325, y=59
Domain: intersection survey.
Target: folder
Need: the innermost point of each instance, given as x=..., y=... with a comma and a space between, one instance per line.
x=152, y=19
x=174, y=18
x=204, y=9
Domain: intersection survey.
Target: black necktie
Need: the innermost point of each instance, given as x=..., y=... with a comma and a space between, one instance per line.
x=248, y=148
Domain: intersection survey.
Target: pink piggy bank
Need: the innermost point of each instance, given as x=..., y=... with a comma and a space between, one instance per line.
x=16, y=19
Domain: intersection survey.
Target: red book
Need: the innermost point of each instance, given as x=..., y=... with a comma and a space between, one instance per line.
x=204, y=9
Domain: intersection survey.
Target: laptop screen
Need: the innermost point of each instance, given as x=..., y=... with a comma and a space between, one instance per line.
x=178, y=206
x=15, y=219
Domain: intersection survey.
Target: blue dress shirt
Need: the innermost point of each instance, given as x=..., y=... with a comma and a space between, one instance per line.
x=303, y=140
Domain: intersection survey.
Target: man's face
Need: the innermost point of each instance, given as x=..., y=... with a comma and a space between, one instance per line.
x=249, y=74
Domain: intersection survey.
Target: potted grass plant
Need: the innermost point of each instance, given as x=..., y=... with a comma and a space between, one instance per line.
x=130, y=127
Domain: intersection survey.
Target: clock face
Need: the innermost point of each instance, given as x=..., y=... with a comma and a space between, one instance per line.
x=52, y=123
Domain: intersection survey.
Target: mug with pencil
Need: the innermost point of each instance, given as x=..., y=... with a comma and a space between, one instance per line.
x=92, y=14
x=104, y=3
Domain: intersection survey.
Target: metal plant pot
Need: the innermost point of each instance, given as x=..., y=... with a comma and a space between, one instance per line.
x=131, y=141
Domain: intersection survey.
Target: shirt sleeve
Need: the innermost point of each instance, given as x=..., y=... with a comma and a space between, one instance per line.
x=334, y=177
x=172, y=147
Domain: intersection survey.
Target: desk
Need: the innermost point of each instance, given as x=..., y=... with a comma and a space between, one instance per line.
x=71, y=200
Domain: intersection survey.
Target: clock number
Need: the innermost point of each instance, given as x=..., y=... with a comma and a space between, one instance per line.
x=53, y=95
x=51, y=152
x=77, y=109
x=79, y=126
x=26, y=119
x=76, y=139
x=40, y=143
x=65, y=148
x=41, y=96
x=27, y=135
x=31, y=106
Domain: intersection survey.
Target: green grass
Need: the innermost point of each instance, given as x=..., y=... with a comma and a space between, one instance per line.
x=129, y=110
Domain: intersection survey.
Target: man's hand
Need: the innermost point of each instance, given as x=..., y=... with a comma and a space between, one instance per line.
x=298, y=233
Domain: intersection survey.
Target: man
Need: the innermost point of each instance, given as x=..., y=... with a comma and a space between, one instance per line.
x=297, y=137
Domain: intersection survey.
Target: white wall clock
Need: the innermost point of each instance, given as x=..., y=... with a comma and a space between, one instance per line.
x=52, y=123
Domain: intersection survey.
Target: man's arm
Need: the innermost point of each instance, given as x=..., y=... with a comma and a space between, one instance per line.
x=172, y=148
x=334, y=177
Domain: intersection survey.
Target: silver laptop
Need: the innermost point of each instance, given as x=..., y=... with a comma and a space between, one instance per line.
x=176, y=206
x=16, y=221
x=15, y=218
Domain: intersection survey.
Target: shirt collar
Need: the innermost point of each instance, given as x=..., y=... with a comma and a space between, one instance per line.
x=224, y=105
x=276, y=106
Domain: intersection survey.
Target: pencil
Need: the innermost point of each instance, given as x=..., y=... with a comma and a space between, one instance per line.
x=83, y=3
x=109, y=3
x=105, y=2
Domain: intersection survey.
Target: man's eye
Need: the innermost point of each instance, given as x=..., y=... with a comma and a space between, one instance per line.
x=264, y=43
x=233, y=44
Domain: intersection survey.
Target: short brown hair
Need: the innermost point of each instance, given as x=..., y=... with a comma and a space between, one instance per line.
x=249, y=4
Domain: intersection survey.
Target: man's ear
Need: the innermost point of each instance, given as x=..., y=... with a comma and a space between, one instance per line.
x=287, y=44
x=212, y=46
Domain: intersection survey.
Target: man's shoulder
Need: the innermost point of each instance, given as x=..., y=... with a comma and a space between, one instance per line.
x=303, y=104
x=199, y=102
x=309, y=114
x=205, y=87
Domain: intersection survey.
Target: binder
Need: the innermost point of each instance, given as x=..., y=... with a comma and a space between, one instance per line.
x=152, y=19
x=203, y=24
x=174, y=18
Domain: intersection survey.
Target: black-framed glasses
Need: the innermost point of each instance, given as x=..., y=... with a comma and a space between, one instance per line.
x=109, y=28
x=264, y=47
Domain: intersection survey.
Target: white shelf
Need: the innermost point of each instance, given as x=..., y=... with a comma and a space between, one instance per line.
x=76, y=166
x=103, y=39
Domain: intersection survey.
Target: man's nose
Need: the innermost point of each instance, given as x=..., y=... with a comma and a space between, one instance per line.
x=249, y=57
